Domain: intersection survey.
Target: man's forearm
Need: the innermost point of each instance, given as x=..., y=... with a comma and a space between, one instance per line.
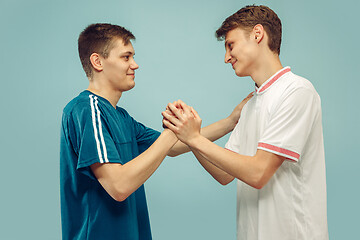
x=256, y=170
x=122, y=180
x=240, y=166
x=138, y=170
x=219, y=175
x=212, y=132
x=218, y=129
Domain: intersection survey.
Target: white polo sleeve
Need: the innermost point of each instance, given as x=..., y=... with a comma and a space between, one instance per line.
x=290, y=124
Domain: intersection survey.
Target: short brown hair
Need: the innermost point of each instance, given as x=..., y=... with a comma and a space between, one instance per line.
x=248, y=17
x=98, y=38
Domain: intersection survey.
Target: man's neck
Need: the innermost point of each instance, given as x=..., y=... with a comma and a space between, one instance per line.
x=112, y=96
x=265, y=69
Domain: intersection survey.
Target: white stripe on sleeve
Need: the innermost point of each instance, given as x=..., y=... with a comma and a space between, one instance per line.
x=100, y=130
x=95, y=128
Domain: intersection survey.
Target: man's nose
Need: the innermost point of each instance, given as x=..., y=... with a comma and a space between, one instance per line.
x=227, y=57
x=134, y=65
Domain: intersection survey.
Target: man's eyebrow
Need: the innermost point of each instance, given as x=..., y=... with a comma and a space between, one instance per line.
x=131, y=52
x=128, y=52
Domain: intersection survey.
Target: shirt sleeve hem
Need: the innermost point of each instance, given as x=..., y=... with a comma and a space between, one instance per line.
x=290, y=155
x=96, y=160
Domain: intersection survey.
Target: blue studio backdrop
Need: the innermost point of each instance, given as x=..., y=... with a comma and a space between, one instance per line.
x=179, y=58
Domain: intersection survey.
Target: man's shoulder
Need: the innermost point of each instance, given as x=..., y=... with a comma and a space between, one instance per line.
x=78, y=104
x=122, y=111
x=294, y=83
x=297, y=81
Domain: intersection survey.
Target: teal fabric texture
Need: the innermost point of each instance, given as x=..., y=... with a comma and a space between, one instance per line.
x=94, y=131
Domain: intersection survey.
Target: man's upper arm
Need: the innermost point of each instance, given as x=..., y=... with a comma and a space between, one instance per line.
x=290, y=125
x=93, y=141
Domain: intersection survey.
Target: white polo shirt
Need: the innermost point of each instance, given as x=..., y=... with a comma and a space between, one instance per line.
x=283, y=117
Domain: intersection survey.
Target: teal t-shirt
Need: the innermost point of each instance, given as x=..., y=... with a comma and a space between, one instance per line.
x=94, y=131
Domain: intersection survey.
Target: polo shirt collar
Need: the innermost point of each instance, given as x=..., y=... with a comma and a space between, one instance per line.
x=266, y=85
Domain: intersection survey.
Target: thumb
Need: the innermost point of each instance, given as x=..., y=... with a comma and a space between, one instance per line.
x=195, y=113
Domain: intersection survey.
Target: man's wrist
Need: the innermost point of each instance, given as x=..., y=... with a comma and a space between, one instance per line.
x=167, y=132
x=230, y=123
x=194, y=141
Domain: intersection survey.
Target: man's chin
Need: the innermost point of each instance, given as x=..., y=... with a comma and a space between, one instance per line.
x=128, y=88
x=131, y=86
x=240, y=73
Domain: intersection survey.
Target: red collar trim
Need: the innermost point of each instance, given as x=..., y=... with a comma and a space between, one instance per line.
x=273, y=79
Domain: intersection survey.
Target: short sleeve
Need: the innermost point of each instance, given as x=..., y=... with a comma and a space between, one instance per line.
x=92, y=140
x=145, y=136
x=290, y=124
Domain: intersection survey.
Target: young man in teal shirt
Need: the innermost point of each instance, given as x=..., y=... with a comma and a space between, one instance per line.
x=106, y=156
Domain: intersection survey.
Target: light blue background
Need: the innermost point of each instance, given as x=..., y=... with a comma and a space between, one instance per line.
x=179, y=57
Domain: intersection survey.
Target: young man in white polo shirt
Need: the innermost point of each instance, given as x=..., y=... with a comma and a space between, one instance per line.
x=276, y=149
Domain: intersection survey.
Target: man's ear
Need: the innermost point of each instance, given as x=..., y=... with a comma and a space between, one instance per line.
x=258, y=32
x=96, y=62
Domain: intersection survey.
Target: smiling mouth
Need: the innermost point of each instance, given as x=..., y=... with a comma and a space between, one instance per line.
x=233, y=63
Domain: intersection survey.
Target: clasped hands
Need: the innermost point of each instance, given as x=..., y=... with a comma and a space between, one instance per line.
x=183, y=120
